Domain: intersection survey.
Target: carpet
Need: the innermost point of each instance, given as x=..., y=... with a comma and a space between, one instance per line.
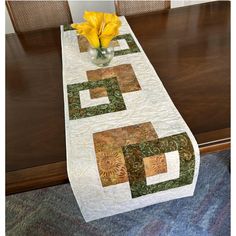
x=54, y=211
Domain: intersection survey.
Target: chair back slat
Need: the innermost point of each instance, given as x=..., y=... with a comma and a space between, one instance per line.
x=35, y=15
x=134, y=7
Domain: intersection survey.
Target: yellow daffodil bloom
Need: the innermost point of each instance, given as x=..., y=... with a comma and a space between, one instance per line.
x=89, y=32
x=95, y=19
x=110, y=31
x=99, y=29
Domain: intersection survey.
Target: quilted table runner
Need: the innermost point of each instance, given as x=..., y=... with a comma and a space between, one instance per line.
x=127, y=145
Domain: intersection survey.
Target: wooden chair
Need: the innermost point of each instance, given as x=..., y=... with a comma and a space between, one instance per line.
x=35, y=15
x=134, y=7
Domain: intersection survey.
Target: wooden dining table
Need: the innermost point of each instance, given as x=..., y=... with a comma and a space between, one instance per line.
x=189, y=47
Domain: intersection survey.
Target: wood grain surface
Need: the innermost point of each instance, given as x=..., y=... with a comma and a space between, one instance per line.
x=189, y=48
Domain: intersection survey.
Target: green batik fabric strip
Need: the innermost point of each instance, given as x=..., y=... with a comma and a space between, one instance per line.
x=113, y=92
x=135, y=153
x=133, y=48
x=67, y=27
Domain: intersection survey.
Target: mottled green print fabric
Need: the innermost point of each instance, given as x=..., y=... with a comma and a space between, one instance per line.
x=133, y=48
x=113, y=92
x=135, y=153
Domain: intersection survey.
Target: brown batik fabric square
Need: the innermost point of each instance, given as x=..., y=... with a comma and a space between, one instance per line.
x=125, y=76
x=154, y=165
x=83, y=43
x=110, y=159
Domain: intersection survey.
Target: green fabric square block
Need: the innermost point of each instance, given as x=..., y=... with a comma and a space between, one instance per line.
x=133, y=48
x=113, y=92
x=135, y=153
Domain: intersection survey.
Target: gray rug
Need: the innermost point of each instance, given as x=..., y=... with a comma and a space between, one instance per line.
x=53, y=211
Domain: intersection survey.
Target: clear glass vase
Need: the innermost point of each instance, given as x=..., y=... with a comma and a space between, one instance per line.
x=101, y=56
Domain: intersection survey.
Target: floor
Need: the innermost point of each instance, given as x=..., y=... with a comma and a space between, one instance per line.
x=53, y=210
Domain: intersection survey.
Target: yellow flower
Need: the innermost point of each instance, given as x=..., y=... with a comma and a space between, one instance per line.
x=99, y=29
x=110, y=30
x=89, y=32
x=112, y=18
x=95, y=19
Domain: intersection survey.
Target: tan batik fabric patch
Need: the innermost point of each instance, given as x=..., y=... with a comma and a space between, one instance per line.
x=125, y=75
x=83, y=43
x=110, y=159
x=154, y=165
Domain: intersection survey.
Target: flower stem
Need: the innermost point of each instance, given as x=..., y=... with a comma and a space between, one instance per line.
x=100, y=54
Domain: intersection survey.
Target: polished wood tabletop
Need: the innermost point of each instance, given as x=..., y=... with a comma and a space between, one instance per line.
x=189, y=48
